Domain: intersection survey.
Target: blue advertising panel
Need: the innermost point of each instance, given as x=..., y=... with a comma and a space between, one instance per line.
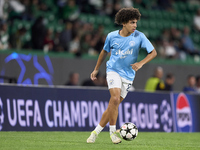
x=51, y=109
x=26, y=108
x=186, y=112
x=149, y=111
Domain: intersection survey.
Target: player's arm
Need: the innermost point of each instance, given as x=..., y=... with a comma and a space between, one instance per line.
x=136, y=66
x=101, y=58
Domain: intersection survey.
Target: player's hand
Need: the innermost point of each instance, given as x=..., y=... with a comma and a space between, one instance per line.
x=93, y=75
x=136, y=66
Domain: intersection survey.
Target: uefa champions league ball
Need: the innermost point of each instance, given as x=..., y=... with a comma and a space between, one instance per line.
x=128, y=131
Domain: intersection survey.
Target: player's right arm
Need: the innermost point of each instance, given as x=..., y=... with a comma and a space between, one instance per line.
x=101, y=58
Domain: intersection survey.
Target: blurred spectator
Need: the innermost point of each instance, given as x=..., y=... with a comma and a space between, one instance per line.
x=67, y=11
x=38, y=5
x=3, y=14
x=100, y=81
x=169, y=44
x=27, y=14
x=70, y=11
x=191, y=83
x=196, y=20
x=127, y=3
x=17, y=39
x=73, y=79
x=187, y=43
x=108, y=8
x=163, y=39
x=4, y=36
x=100, y=43
x=175, y=36
x=16, y=9
x=86, y=43
x=74, y=45
x=48, y=41
x=198, y=84
x=76, y=29
x=153, y=81
x=66, y=36
x=38, y=33
x=97, y=5
x=57, y=46
x=141, y=3
x=169, y=49
x=165, y=4
x=117, y=6
x=86, y=7
x=99, y=39
x=61, y=3
x=95, y=39
x=168, y=85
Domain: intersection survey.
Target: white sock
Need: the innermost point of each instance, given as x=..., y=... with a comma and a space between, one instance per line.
x=98, y=129
x=112, y=129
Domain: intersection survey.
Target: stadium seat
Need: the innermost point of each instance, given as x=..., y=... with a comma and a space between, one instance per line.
x=152, y=23
x=195, y=37
x=145, y=23
x=83, y=17
x=107, y=21
x=91, y=18
x=99, y=20
x=159, y=25
x=158, y=15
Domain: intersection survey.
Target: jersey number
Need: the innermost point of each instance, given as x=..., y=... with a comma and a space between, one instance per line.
x=129, y=86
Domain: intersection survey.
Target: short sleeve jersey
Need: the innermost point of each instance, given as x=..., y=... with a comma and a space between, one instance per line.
x=124, y=52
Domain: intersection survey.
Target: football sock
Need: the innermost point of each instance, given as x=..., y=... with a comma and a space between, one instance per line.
x=112, y=129
x=98, y=129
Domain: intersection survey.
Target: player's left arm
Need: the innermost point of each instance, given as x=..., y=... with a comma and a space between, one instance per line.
x=136, y=66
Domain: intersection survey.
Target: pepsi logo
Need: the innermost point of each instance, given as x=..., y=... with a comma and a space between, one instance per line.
x=183, y=114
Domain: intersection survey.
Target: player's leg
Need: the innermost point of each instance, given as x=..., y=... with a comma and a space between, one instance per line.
x=117, y=96
x=105, y=117
x=114, y=84
x=104, y=120
x=112, y=79
x=126, y=84
x=113, y=105
x=109, y=115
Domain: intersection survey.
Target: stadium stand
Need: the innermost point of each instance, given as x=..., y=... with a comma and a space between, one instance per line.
x=154, y=19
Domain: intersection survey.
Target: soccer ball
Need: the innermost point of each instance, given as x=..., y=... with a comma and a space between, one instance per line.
x=128, y=131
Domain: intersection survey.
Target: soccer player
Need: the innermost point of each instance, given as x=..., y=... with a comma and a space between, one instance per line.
x=124, y=46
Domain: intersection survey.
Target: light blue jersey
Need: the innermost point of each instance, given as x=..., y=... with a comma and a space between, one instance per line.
x=124, y=52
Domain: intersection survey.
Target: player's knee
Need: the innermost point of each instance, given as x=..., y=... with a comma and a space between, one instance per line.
x=115, y=100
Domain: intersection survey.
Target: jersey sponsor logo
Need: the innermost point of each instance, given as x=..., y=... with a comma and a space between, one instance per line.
x=124, y=54
x=183, y=114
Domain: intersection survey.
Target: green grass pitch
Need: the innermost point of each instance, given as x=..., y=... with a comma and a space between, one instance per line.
x=77, y=141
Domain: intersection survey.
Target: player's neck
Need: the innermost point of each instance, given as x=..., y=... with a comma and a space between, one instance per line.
x=124, y=33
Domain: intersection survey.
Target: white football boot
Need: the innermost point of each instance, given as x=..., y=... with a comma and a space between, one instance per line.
x=92, y=137
x=115, y=139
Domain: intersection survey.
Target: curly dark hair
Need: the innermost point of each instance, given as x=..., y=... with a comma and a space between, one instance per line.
x=124, y=15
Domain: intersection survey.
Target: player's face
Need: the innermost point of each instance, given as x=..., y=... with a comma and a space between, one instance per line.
x=131, y=25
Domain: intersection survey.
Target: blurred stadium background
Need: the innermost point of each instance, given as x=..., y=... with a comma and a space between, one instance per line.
x=73, y=32
x=45, y=42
